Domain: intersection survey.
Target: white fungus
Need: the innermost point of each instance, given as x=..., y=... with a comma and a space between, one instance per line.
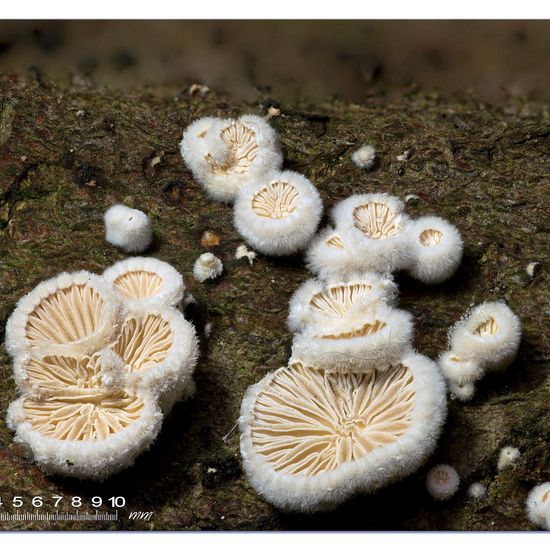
x=226, y=155
x=486, y=339
x=477, y=490
x=404, y=156
x=364, y=157
x=436, y=249
x=311, y=438
x=442, y=482
x=507, y=456
x=207, y=266
x=243, y=252
x=128, y=228
x=97, y=368
x=531, y=268
x=278, y=216
x=377, y=228
x=538, y=506
x=146, y=281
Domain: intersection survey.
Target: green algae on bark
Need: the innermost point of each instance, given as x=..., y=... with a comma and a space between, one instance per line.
x=68, y=154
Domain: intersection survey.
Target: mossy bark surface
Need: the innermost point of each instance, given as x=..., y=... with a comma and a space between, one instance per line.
x=68, y=154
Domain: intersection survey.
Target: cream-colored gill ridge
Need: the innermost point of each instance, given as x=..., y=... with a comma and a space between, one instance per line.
x=243, y=148
x=430, y=237
x=376, y=220
x=308, y=421
x=277, y=200
x=336, y=301
x=335, y=241
x=144, y=342
x=365, y=329
x=73, y=402
x=138, y=284
x=487, y=328
x=67, y=315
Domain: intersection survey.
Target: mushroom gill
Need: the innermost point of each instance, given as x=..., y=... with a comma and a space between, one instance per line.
x=277, y=200
x=308, y=421
x=138, y=284
x=376, y=220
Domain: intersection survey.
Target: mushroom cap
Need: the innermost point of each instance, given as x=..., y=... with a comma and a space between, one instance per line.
x=538, y=505
x=321, y=302
x=377, y=221
x=226, y=155
x=146, y=281
x=310, y=438
x=489, y=334
x=72, y=313
x=278, y=215
x=376, y=339
x=459, y=370
x=436, y=249
x=128, y=228
x=442, y=481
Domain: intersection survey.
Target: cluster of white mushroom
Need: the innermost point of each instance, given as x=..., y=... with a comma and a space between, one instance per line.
x=371, y=232
x=98, y=361
x=486, y=339
x=239, y=161
x=356, y=407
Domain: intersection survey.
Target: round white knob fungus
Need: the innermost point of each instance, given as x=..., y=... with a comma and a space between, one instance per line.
x=278, y=216
x=207, y=266
x=442, y=482
x=477, y=490
x=364, y=157
x=128, y=228
x=436, y=249
x=508, y=455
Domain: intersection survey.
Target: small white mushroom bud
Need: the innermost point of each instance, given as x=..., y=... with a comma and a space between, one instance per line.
x=477, y=490
x=128, y=228
x=207, y=266
x=538, y=506
x=243, y=252
x=436, y=248
x=364, y=157
x=442, y=482
x=507, y=456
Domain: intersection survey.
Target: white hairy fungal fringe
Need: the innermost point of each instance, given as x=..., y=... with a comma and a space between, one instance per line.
x=128, y=228
x=226, y=155
x=45, y=321
x=97, y=369
x=404, y=156
x=146, y=281
x=477, y=490
x=486, y=339
x=377, y=221
x=364, y=157
x=331, y=254
x=243, y=252
x=207, y=266
x=538, y=506
x=442, y=482
x=337, y=302
x=489, y=334
x=531, y=268
x=508, y=455
x=436, y=249
x=303, y=476
x=279, y=215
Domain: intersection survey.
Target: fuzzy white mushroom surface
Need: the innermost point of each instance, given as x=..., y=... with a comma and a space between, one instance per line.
x=226, y=155
x=538, y=506
x=364, y=157
x=377, y=221
x=436, y=249
x=442, y=481
x=207, y=266
x=146, y=281
x=96, y=370
x=312, y=438
x=477, y=490
x=489, y=334
x=128, y=228
x=278, y=216
x=508, y=455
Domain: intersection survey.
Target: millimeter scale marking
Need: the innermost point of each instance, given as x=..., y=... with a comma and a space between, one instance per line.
x=58, y=516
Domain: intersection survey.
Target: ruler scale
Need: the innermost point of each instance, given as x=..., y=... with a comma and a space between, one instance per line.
x=58, y=516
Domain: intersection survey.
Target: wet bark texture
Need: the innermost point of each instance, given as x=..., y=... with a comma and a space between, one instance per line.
x=68, y=154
